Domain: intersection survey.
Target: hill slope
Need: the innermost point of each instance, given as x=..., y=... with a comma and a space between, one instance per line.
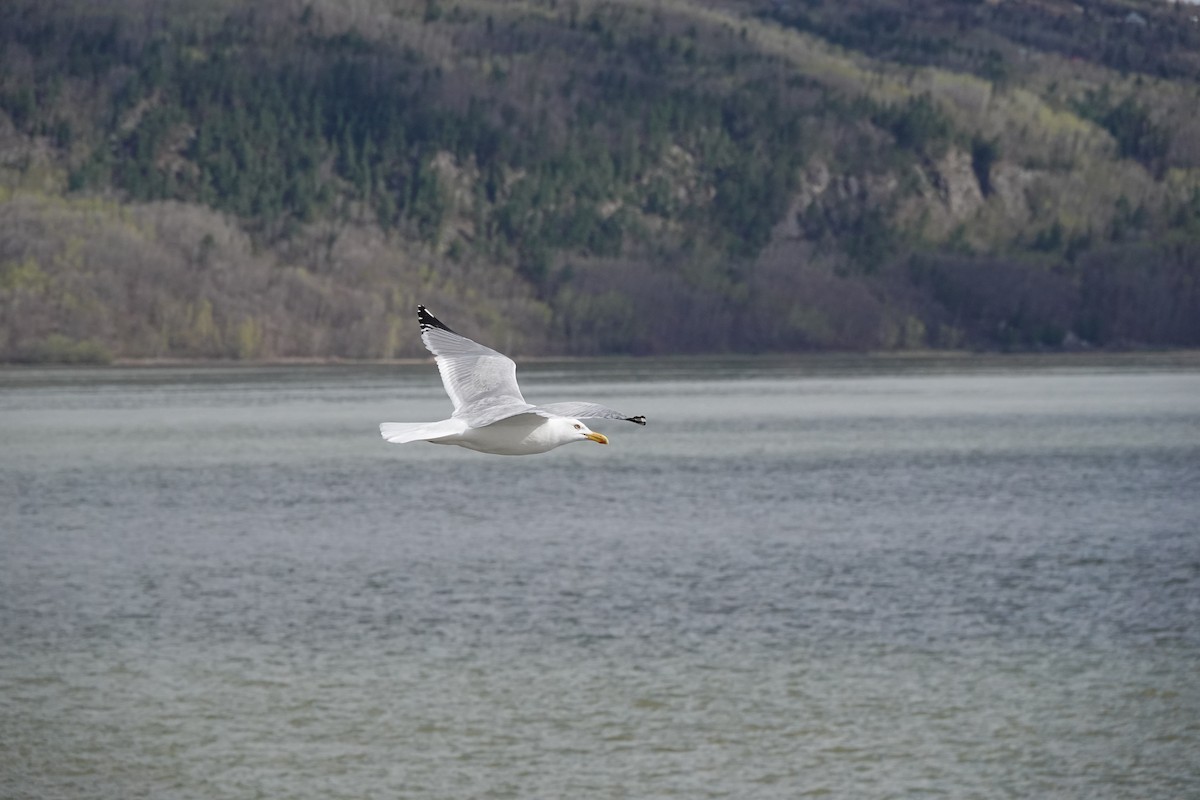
x=288, y=178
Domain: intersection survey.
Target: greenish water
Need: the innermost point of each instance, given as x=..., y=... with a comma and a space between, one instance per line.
x=821, y=577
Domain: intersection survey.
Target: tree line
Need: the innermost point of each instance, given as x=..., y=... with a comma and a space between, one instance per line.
x=638, y=178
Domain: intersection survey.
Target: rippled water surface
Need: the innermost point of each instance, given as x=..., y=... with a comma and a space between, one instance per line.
x=802, y=578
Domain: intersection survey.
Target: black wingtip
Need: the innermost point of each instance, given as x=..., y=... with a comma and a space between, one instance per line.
x=427, y=320
x=639, y=419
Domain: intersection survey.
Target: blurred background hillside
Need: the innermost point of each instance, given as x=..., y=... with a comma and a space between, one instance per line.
x=288, y=178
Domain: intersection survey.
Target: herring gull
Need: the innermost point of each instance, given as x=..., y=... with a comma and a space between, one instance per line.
x=490, y=415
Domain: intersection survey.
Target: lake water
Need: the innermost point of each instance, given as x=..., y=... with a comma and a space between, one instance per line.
x=822, y=577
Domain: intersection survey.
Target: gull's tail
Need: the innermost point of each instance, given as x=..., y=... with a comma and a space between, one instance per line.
x=402, y=432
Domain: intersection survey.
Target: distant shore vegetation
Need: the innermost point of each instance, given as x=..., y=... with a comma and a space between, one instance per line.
x=288, y=178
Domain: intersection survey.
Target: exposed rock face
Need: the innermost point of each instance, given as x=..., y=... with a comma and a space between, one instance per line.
x=957, y=184
x=813, y=184
x=945, y=193
x=835, y=194
x=1011, y=184
x=936, y=196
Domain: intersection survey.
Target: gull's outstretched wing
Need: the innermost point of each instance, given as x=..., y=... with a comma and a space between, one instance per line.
x=481, y=382
x=579, y=410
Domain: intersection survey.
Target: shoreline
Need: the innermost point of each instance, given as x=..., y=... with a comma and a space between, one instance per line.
x=1182, y=357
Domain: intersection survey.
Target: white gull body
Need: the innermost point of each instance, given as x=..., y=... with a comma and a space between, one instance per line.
x=490, y=414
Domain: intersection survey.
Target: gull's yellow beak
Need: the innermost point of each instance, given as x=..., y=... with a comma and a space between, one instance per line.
x=598, y=438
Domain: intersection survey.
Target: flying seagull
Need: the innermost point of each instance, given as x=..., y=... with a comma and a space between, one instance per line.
x=490, y=415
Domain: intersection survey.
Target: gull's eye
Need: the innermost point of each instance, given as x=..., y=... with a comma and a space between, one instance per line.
x=578, y=427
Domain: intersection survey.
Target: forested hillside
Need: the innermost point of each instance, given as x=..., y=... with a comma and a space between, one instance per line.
x=288, y=178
